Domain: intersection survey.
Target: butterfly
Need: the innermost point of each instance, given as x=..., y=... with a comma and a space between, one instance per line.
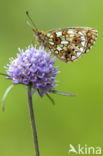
x=67, y=44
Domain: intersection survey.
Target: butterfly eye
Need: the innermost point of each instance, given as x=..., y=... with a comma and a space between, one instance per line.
x=37, y=33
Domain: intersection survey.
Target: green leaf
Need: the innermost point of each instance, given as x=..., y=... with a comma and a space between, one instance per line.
x=3, y=74
x=5, y=96
x=62, y=93
x=38, y=92
x=34, y=91
x=50, y=98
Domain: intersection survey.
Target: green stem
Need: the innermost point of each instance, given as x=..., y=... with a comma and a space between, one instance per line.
x=3, y=74
x=33, y=122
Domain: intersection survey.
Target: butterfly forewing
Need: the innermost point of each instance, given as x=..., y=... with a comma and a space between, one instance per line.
x=70, y=43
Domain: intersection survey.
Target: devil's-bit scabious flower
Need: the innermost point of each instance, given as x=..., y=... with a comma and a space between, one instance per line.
x=33, y=67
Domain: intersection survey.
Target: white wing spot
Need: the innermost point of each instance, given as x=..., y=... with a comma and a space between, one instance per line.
x=70, y=31
x=51, y=43
x=51, y=36
x=81, y=49
x=73, y=57
x=61, y=45
x=48, y=35
x=78, y=54
x=83, y=38
x=59, y=34
x=80, y=33
x=59, y=48
x=71, y=35
x=56, y=52
x=64, y=42
x=83, y=43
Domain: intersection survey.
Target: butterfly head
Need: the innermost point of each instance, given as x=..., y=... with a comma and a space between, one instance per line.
x=40, y=37
x=36, y=32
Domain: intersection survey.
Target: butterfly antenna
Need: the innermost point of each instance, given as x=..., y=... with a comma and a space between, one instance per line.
x=30, y=25
x=27, y=13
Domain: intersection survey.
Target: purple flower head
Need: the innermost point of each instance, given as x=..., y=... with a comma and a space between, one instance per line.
x=33, y=67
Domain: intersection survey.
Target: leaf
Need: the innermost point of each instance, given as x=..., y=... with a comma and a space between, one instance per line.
x=50, y=98
x=34, y=92
x=62, y=93
x=39, y=92
x=5, y=96
x=3, y=74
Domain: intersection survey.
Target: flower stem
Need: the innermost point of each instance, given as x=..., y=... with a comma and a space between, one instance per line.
x=33, y=122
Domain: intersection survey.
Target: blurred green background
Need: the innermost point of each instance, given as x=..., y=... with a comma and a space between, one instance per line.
x=73, y=120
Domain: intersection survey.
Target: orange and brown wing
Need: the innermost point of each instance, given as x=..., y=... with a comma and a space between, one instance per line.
x=70, y=43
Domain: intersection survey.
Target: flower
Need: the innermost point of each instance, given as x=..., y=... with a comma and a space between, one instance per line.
x=33, y=67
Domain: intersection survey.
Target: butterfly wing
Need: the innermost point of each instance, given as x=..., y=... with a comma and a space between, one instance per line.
x=70, y=43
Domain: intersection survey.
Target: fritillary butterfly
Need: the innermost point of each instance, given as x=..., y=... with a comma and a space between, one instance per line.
x=67, y=44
